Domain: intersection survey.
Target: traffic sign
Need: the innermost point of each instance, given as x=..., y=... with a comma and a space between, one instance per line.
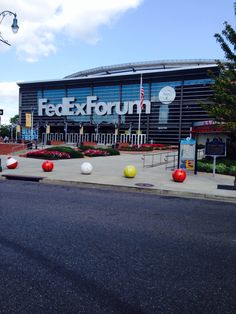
x=1, y=112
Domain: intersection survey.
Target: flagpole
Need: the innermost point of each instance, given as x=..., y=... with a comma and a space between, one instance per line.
x=140, y=109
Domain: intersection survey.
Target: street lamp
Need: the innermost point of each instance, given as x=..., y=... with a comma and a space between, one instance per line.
x=14, y=25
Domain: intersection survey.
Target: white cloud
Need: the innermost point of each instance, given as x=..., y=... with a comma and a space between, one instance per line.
x=9, y=94
x=41, y=22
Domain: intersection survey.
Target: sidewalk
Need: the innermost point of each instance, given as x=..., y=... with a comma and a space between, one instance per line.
x=108, y=172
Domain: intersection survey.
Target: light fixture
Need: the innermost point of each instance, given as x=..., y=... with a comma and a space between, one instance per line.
x=14, y=25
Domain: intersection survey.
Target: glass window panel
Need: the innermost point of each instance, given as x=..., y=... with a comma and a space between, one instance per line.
x=107, y=93
x=80, y=94
x=198, y=82
x=131, y=92
x=54, y=96
x=156, y=87
x=163, y=114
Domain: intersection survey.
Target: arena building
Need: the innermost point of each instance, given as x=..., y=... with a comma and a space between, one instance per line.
x=103, y=104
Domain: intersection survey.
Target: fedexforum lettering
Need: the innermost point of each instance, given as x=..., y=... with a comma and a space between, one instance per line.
x=68, y=107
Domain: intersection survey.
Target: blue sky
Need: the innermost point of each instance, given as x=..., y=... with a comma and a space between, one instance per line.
x=61, y=37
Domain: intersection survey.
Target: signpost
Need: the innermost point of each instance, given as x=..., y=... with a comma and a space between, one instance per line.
x=215, y=148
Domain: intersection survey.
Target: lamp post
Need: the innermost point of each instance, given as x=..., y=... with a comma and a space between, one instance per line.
x=14, y=25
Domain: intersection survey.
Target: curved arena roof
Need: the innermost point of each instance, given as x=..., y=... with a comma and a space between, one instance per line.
x=142, y=67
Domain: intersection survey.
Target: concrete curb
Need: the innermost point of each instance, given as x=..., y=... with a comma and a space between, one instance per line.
x=146, y=190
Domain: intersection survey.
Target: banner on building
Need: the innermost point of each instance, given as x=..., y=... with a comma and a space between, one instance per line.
x=28, y=120
x=18, y=128
x=47, y=129
x=29, y=134
x=81, y=130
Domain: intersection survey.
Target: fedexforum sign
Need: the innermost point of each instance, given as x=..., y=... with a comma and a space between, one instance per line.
x=68, y=107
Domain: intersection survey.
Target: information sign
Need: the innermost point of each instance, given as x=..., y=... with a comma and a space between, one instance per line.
x=187, y=153
x=215, y=148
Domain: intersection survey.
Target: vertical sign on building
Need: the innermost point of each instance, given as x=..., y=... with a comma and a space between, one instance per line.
x=47, y=129
x=81, y=130
x=28, y=120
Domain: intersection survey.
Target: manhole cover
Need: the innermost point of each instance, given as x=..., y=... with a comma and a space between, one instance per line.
x=144, y=185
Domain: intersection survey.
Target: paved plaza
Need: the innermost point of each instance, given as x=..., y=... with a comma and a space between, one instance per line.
x=108, y=173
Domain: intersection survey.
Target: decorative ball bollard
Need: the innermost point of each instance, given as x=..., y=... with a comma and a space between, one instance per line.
x=86, y=168
x=179, y=175
x=47, y=166
x=130, y=171
x=11, y=163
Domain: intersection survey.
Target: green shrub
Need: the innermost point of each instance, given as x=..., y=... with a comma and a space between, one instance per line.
x=223, y=165
x=60, y=148
x=66, y=149
x=205, y=167
x=85, y=147
x=221, y=168
x=110, y=151
x=232, y=171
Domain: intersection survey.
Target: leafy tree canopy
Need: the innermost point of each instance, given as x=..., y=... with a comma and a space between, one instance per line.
x=4, y=131
x=223, y=106
x=15, y=119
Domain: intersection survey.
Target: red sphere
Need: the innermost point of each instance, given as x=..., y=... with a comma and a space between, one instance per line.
x=47, y=166
x=11, y=163
x=179, y=175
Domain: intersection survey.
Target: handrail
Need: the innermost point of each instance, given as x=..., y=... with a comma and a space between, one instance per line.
x=158, y=158
x=167, y=157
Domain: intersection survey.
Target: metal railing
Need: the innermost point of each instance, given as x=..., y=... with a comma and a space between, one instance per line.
x=160, y=158
x=169, y=159
x=100, y=138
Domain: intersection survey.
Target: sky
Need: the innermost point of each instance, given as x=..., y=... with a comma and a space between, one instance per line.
x=60, y=37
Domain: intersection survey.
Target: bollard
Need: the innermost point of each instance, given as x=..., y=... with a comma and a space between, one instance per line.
x=0, y=165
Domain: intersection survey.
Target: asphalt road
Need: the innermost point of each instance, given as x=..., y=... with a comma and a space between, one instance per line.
x=78, y=250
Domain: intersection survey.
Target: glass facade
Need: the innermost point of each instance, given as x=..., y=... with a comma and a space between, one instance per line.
x=164, y=124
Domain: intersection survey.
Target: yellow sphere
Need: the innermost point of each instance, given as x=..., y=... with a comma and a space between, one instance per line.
x=130, y=171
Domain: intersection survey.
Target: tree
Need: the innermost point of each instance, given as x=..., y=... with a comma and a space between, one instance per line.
x=223, y=101
x=222, y=106
x=4, y=131
x=15, y=119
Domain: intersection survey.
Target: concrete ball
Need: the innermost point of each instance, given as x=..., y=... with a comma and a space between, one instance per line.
x=86, y=168
x=130, y=171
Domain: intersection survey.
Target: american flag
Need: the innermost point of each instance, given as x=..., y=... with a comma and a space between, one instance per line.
x=141, y=97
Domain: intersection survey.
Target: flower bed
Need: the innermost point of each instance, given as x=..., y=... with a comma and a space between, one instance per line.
x=95, y=153
x=46, y=154
x=65, y=152
x=145, y=147
x=135, y=148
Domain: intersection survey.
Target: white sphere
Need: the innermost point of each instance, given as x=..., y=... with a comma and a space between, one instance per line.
x=11, y=163
x=86, y=168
